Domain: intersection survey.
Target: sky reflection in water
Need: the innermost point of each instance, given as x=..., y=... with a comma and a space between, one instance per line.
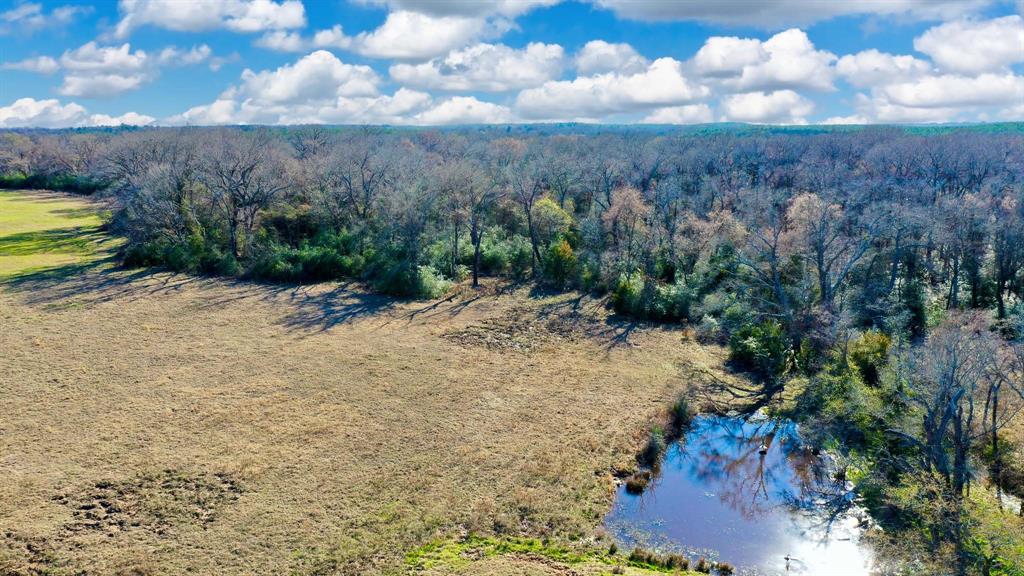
x=717, y=496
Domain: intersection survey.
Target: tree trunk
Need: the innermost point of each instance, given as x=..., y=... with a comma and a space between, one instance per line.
x=233, y=232
x=1000, y=301
x=823, y=282
x=455, y=248
x=954, y=286
x=997, y=462
x=476, y=237
x=535, y=255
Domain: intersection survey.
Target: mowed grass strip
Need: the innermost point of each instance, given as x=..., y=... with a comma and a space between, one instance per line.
x=41, y=231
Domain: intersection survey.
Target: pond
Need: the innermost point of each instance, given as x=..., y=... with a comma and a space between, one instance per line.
x=746, y=492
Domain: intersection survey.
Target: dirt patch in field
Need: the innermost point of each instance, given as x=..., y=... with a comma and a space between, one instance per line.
x=22, y=555
x=155, y=502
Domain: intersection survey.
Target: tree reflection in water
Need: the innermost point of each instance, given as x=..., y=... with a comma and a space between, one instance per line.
x=716, y=492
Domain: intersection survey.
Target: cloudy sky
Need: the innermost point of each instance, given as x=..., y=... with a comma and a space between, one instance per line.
x=432, y=62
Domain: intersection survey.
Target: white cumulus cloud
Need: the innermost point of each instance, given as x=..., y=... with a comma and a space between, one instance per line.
x=284, y=41
x=100, y=85
x=463, y=110
x=878, y=109
x=778, y=13
x=691, y=114
x=778, y=107
x=950, y=90
x=318, y=76
x=598, y=56
x=51, y=113
x=39, y=65
x=127, y=119
x=40, y=114
x=94, y=71
x=28, y=17
x=487, y=67
x=404, y=35
x=729, y=55
x=90, y=57
x=193, y=16
x=590, y=97
x=786, y=60
x=319, y=88
x=871, y=67
x=174, y=56
x=972, y=47
x=412, y=35
x=507, y=8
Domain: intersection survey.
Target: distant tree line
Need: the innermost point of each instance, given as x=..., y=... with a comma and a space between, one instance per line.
x=877, y=272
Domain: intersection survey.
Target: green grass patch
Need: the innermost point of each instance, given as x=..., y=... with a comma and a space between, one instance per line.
x=43, y=231
x=450, y=555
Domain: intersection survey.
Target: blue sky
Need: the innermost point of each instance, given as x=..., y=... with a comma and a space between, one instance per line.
x=469, y=61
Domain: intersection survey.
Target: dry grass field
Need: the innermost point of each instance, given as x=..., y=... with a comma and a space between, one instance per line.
x=162, y=424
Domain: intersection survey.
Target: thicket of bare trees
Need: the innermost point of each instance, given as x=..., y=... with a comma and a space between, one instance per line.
x=882, y=267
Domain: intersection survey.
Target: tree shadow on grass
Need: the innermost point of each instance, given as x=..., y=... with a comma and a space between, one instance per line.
x=307, y=308
x=588, y=316
x=78, y=239
x=320, y=311
x=449, y=306
x=90, y=283
x=84, y=212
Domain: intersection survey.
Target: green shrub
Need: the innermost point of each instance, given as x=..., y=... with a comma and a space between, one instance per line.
x=550, y=221
x=589, y=276
x=761, y=348
x=841, y=406
x=709, y=331
x=806, y=357
x=643, y=557
x=654, y=448
x=305, y=264
x=292, y=225
x=142, y=255
x=560, y=264
x=672, y=302
x=505, y=255
x=640, y=297
x=196, y=255
x=220, y=263
x=682, y=414
x=394, y=277
x=637, y=483
x=430, y=283
x=677, y=561
x=64, y=182
x=915, y=305
x=438, y=255
x=735, y=316
x=869, y=353
x=627, y=298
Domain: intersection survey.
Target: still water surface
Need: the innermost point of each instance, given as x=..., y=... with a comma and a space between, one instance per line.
x=716, y=495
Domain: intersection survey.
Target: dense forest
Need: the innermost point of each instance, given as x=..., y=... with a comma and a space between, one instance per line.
x=874, y=275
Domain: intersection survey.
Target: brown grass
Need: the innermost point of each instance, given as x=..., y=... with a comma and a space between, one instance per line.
x=233, y=428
